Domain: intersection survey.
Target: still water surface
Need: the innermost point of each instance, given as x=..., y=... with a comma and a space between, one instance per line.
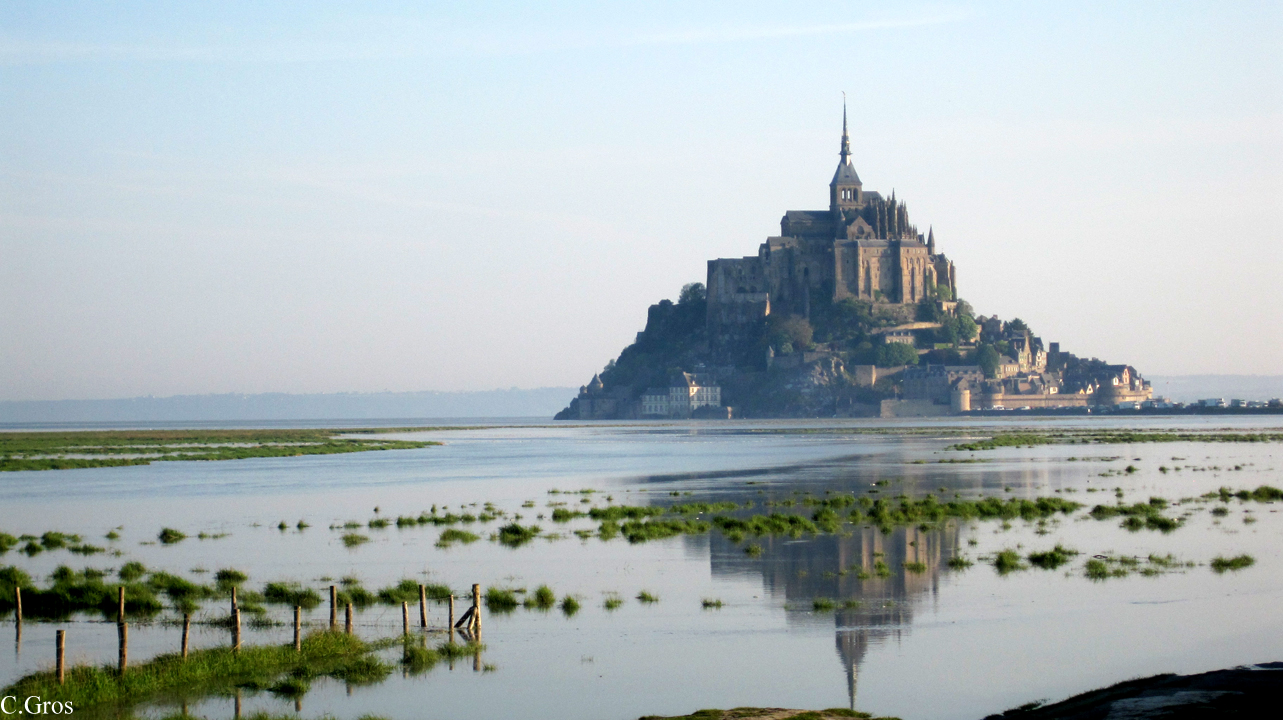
x=942, y=643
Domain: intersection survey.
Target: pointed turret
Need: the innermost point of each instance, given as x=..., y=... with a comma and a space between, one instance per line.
x=931, y=240
x=844, y=191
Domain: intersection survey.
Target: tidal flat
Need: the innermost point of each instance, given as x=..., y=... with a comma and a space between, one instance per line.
x=932, y=569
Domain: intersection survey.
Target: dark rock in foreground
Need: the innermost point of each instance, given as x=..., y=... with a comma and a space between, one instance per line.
x=1237, y=692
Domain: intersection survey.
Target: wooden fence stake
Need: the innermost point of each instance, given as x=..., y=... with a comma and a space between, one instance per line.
x=236, y=631
x=62, y=656
x=298, y=629
x=124, y=646
x=120, y=611
x=187, y=631
x=235, y=607
x=423, y=607
x=334, y=607
x=347, y=619
x=17, y=602
x=476, y=611
x=451, y=624
x=405, y=618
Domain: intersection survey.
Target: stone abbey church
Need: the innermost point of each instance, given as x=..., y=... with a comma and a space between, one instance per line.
x=864, y=246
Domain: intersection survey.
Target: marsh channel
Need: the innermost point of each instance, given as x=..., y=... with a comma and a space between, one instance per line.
x=911, y=619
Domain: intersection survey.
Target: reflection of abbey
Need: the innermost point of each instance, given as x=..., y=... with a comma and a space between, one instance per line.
x=862, y=247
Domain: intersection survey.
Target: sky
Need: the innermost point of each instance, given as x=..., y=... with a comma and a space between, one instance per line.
x=362, y=196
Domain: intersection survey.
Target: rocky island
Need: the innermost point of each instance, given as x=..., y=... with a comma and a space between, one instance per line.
x=848, y=312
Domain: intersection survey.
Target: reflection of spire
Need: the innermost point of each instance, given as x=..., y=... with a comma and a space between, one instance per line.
x=852, y=671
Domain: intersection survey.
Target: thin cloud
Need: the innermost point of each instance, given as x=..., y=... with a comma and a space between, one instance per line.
x=407, y=42
x=725, y=35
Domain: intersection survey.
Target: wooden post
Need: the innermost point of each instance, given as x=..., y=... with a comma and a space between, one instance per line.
x=62, y=656
x=405, y=618
x=236, y=630
x=187, y=631
x=451, y=624
x=17, y=602
x=123, y=629
x=476, y=608
x=423, y=607
x=235, y=607
x=334, y=607
x=238, y=704
x=298, y=629
x=120, y=611
x=347, y=619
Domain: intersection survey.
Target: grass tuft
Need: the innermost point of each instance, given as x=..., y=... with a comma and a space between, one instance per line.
x=169, y=536
x=1221, y=564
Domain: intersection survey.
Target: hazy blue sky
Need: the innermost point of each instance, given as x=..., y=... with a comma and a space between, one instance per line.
x=317, y=197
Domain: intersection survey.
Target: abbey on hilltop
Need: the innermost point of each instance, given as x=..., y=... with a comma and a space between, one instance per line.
x=864, y=246
x=849, y=311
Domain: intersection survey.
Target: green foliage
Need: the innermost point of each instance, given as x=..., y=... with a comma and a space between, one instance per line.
x=182, y=591
x=569, y=605
x=788, y=331
x=1221, y=564
x=227, y=578
x=114, y=448
x=988, y=359
x=210, y=672
x=515, y=534
x=131, y=571
x=893, y=354
x=351, y=540
x=542, y=599
x=846, y=321
x=1007, y=561
x=561, y=515
x=288, y=593
x=169, y=536
x=1052, y=559
x=692, y=293
x=75, y=591
x=405, y=591
x=500, y=600
x=450, y=536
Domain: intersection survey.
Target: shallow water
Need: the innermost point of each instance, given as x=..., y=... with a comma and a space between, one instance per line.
x=943, y=643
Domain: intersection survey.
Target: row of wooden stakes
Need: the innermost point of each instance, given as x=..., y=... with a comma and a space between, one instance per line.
x=469, y=623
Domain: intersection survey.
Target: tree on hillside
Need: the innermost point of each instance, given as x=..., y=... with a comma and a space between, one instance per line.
x=788, y=330
x=692, y=292
x=845, y=321
x=895, y=353
x=988, y=359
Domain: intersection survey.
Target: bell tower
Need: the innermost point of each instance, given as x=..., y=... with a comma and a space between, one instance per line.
x=846, y=190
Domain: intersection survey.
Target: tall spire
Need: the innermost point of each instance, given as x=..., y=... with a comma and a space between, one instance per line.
x=846, y=140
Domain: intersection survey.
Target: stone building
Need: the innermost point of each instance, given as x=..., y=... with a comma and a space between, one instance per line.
x=863, y=246
x=685, y=395
x=595, y=402
x=936, y=382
